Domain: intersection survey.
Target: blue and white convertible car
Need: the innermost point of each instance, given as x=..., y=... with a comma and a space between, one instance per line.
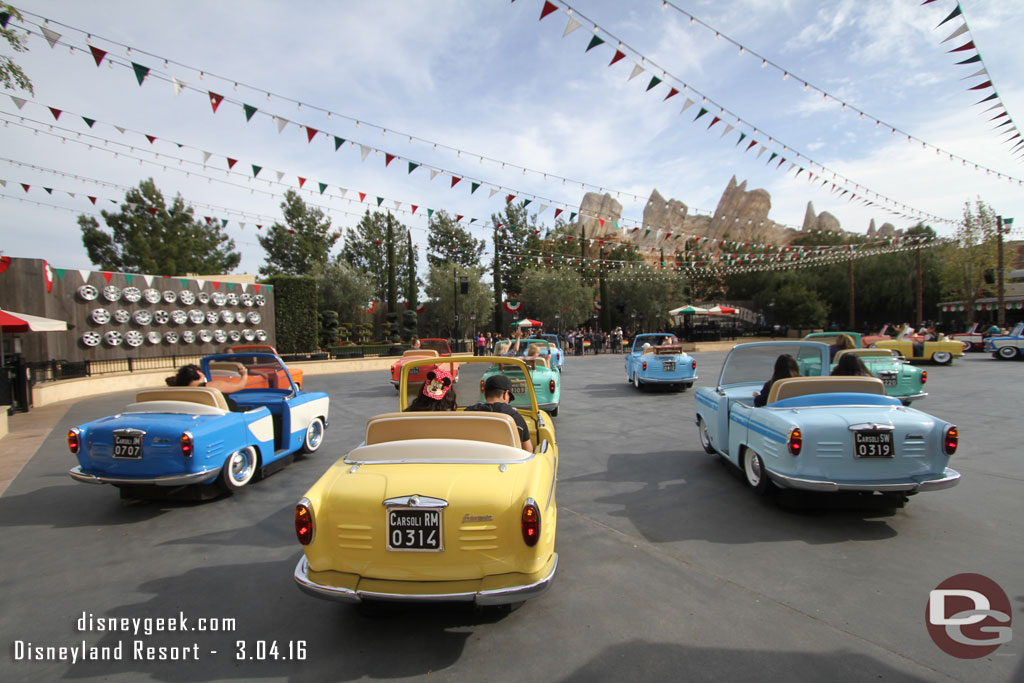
x=176, y=436
x=659, y=359
x=555, y=350
x=820, y=433
x=1009, y=347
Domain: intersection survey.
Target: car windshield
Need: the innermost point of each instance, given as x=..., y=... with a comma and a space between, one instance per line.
x=653, y=340
x=265, y=371
x=524, y=346
x=754, y=364
x=439, y=345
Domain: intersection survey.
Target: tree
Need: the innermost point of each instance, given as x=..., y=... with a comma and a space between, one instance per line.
x=545, y=292
x=441, y=291
x=11, y=75
x=964, y=265
x=448, y=241
x=300, y=245
x=365, y=249
x=515, y=233
x=342, y=288
x=147, y=237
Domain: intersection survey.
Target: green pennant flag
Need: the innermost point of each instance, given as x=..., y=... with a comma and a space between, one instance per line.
x=771, y=157
x=474, y=187
x=594, y=42
x=380, y=200
x=473, y=220
x=700, y=113
x=572, y=216
x=184, y=282
x=413, y=166
x=742, y=135
x=526, y=202
x=323, y=186
x=223, y=222
x=60, y=273
x=49, y=190
x=430, y=212
x=88, y=121
x=231, y=285
x=140, y=72
x=654, y=81
x=256, y=170
x=338, y=142
x=249, y=111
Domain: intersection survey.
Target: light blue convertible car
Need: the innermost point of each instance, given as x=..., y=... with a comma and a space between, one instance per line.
x=820, y=433
x=557, y=357
x=659, y=359
x=176, y=436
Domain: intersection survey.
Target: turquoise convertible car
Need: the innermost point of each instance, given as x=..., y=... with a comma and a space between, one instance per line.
x=547, y=383
x=820, y=433
x=900, y=378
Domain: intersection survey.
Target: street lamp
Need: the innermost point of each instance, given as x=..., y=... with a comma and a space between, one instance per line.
x=558, y=322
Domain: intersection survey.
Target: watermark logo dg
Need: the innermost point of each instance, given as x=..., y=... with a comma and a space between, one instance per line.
x=968, y=616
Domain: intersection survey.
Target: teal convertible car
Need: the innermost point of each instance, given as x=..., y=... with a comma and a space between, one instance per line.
x=547, y=383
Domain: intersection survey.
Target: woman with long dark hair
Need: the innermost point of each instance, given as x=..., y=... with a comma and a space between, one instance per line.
x=785, y=366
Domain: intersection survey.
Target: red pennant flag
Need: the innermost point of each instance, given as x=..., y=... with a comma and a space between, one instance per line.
x=969, y=45
x=455, y=180
x=619, y=54
x=215, y=100
x=25, y=186
x=152, y=210
x=311, y=133
x=362, y=196
x=558, y=211
x=671, y=93
x=458, y=218
x=388, y=158
x=231, y=163
x=290, y=231
x=151, y=138
x=92, y=199
x=259, y=227
x=302, y=181
x=752, y=143
x=986, y=84
x=414, y=207
x=56, y=113
x=549, y=7
x=509, y=198
x=107, y=276
x=97, y=54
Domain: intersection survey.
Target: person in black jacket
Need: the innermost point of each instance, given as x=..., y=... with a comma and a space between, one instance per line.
x=785, y=366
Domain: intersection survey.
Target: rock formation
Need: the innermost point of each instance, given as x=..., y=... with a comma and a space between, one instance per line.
x=823, y=222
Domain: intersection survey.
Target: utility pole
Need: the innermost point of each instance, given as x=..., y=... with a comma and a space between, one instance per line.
x=1001, y=312
x=498, y=317
x=919, y=274
x=853, y=312
x=455, y=283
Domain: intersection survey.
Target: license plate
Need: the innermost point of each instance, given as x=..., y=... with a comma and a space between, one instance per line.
x=518, y=387
x=669, y=365
x=414, y=529
x=127, y=445
x=872, y=444
x=889, y=380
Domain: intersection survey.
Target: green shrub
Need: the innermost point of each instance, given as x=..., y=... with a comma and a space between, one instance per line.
x=295, y=304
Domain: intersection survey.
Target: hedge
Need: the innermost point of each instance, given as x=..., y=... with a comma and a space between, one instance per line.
x=295, y=305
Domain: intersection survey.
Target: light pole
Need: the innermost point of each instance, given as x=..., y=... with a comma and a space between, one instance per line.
x=558, y=322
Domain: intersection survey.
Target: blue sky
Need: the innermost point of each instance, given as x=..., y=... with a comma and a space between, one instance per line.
x=489, y=79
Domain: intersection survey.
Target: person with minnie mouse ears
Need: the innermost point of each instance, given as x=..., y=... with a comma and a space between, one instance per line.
x=438, y=392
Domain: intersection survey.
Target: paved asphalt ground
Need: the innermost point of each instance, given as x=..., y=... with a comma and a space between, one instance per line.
x=670, y=568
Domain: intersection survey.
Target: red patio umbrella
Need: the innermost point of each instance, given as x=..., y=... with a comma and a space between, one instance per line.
x=722, y=310
x=527, y=322
x=23, y=322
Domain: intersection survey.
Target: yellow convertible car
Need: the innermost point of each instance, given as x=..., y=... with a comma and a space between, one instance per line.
x=436, y=506
x=942, y=352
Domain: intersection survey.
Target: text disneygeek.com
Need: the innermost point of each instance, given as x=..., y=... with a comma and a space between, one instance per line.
x=138, y=649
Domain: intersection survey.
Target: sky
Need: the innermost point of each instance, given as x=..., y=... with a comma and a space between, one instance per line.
x=485, y=91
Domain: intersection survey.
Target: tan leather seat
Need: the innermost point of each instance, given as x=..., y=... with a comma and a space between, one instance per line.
x=493, y=428
x=864, y=353
x=533, y=363
x=668, y=350
x=420, y=353
x=791, y=387
x=207, y=396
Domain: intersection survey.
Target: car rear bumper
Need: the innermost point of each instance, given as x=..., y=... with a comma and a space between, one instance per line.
x=476, y=591
x=910, y=397
x=77, y=474
x=949, y=478
x=646, y=379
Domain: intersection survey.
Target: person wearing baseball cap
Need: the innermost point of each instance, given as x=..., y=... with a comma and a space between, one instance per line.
x=497, y=396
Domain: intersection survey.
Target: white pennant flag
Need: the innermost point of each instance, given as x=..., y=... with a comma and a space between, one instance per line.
x=85, y=275
x=280, y=174
x=364, y=151
x=571, y=26
x=51, y=36
x=71, y=194
x=342, y=191
x=178, y=85
x=761, y=151
x=727, y=129
x=398, y=205
x=18, y=102
x=543, y=208
x=3, y=183
x=148, y=279
x=494, y=191
x=245, y=287
x=637, y=70
x=980, y=72
x=433, y=173
x=120, y=129
x=206, y=156
x=241, y=225
x=686, y=105
x=281, y=123
x=959, y=32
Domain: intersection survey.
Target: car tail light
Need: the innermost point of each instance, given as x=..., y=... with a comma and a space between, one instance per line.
x=924, y=376
x=796, y=441
x=693, y=364
x=645, y=365
x=481, y=386
x=73, y=442
x=530, y=523
x=551, y=386
x=304, y=521
x=187, y=446
x=950, y=440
